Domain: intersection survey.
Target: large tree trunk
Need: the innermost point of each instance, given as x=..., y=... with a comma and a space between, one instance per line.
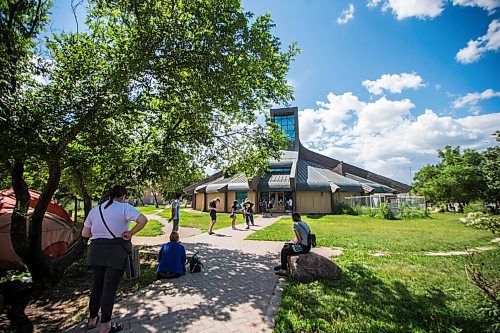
x=28, y=245
x=38, y=264
x=156, y=199
x=87, y=200
x=18, y=230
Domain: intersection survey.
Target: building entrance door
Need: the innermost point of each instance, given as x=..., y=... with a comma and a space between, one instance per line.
x=277, y=201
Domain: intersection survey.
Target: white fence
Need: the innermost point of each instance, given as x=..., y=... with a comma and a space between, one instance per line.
x=394, y=202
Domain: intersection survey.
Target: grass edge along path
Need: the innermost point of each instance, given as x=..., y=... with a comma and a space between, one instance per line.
x=201, y=220
x=405, y=292
x=152, y=229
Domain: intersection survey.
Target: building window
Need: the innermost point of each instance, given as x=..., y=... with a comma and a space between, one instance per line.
x=281, y=170
x=287, y=124
x=240, y=197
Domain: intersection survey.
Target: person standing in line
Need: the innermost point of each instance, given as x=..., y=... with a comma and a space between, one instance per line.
x=290, y=204
x=234, y=212
x=176, y=212
x=299, y=245
x=108, y=253
x=171, y=259
x=212, y=205
x=248, y=208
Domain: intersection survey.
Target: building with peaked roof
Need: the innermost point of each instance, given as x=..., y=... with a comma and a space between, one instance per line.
x=310, y=182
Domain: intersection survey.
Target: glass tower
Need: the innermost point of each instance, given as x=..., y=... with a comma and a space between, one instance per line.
x=287, y=124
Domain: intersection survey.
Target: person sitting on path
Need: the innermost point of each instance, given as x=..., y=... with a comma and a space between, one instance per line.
x=171, y=259
x=213, y=214
x=108, y=253
x=299, y=245
x=234, y=212
x=176, y=212
x=248, y=208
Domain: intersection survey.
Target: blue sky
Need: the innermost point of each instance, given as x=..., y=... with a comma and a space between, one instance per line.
x=383, y=84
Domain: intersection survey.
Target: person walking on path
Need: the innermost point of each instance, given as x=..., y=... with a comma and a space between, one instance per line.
x=234, y=212
x=213, y=214
x=107, y=253
x=171, y=259
x=299, y=245
x=176, y=212
x=248, y=208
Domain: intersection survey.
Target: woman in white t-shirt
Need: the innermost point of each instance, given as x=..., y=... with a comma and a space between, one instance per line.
x=107, y=255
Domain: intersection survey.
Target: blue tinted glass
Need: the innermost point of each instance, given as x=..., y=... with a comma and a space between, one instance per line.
x=281, y=170
x=287, y=124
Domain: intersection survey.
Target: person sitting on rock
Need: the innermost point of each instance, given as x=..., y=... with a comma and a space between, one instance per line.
x=298, y=246
x=171, y=259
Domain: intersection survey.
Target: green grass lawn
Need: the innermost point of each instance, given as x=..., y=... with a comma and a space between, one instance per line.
x=153, y=228
x=201, y=220
x=403, y=292
x=148, y=209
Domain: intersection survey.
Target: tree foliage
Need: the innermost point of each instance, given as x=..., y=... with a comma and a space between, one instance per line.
x=150, y=92
x=460, y=177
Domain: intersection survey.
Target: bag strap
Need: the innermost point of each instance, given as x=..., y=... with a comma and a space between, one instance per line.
x=308, y=233
x=112, y=234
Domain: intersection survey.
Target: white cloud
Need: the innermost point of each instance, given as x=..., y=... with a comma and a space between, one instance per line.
x=475, y=48
x=421, y=9
x=382, y=115
x=373, y=3
x=489, y=5
x=346, y=15
x=471, y=99
x=337, y=110
x=394, y=83
x=380, y=137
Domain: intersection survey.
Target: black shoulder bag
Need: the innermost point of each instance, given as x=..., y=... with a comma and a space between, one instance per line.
x=311, y=238
x=130, y=268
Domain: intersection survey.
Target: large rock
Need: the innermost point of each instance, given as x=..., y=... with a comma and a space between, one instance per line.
x=311, y=266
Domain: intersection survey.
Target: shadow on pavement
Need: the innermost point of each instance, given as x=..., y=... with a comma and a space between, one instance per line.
x=231, y=293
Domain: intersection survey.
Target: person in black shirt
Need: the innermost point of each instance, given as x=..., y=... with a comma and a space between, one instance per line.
x=212, y=205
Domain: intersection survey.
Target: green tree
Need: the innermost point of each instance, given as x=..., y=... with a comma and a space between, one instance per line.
x=490, y=167
x=150, y=86
x=456, y=178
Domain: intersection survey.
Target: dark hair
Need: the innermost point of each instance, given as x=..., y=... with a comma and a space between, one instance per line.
x=116, y=192
x=174, y=236
x=296, y=217
x=178, y=195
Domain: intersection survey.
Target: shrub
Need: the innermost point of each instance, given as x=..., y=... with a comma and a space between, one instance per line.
x=385, y=212
x=474, y=207
x=364, y=210
x=343, y=209
x=482, y=221
x=407, y=212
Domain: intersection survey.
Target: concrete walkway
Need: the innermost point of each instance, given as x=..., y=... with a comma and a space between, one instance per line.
x=234, y=293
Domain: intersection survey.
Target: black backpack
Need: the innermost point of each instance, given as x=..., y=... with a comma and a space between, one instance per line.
x=195, y=263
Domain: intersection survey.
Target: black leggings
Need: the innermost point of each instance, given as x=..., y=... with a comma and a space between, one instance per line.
x=288, y=251
x=102, y=296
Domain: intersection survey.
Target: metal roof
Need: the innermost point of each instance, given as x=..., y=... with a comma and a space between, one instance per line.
x=223, y=184
x=238, y=183
x=275, y=182
x=311, y=176
x=370, y=184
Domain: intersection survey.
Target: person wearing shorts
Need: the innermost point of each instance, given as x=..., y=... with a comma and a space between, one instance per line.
x=212, y=205
x=234, y=211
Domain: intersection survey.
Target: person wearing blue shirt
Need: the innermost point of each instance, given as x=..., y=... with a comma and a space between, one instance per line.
x=171, y=259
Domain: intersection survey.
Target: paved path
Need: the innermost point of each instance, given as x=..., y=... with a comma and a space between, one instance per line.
x=232, y=294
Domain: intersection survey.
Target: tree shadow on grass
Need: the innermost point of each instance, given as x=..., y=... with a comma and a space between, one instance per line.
x=360, y=301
